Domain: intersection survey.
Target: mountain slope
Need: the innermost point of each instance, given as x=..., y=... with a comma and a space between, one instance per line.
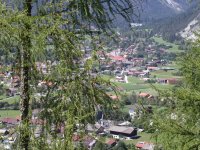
x=158, y=9
x=193, y=26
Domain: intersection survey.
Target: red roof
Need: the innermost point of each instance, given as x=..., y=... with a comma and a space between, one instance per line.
x=10, y=120
x=111, y=142
x=144, y=145
x=140, y=144
x=76, y=137
x=144, y=95
x=117, y=58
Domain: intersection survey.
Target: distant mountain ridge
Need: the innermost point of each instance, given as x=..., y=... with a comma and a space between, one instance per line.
x=153, y=10
x=158, y=9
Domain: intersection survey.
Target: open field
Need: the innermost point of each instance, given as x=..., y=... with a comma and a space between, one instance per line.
x=138, y=85
x=163, y=74
x=9, y=113
x=144, y=137
x=10, y=100
x=174, y=48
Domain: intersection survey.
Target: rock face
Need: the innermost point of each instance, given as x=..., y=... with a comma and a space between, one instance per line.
x=189, y=31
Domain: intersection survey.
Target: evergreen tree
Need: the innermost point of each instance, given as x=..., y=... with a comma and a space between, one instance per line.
x=57, y=29
x=179, y=127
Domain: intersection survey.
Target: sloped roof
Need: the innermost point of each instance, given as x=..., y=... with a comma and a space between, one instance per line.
x=122, y=129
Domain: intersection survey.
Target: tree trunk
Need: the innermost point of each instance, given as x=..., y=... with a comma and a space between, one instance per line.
x=25, y=85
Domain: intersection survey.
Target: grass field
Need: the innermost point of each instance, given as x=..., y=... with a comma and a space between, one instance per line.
x=163, y=74
x=10, y=100
x=174, y=48
x=9, y=113
x=137, y=85
x=144, y=137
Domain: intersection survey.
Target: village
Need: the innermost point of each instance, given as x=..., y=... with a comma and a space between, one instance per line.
x=142, y=70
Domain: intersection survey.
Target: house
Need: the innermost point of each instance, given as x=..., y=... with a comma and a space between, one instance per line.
x=10, y=121
x=111, y=143
x=144, y=95
x=123, y=132
x=89, y=142
x=145, y=146
x=96, y=128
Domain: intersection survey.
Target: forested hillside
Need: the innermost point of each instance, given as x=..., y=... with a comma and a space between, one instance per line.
x=170, y=28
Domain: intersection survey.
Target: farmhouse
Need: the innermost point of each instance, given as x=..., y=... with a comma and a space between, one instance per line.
x=168, y=81
x=123, y=132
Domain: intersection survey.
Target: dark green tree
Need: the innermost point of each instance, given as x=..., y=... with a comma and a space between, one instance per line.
x=99, y=146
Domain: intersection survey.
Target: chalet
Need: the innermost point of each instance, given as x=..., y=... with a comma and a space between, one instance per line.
x=123, y=132
x=111, y=143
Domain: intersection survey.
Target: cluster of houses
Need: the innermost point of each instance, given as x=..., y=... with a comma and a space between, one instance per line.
x=12, y=82
x=121, y=65
x=113, y=130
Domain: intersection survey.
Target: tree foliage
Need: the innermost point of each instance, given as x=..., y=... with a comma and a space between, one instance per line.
x=179, y=127
x=52, y=34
